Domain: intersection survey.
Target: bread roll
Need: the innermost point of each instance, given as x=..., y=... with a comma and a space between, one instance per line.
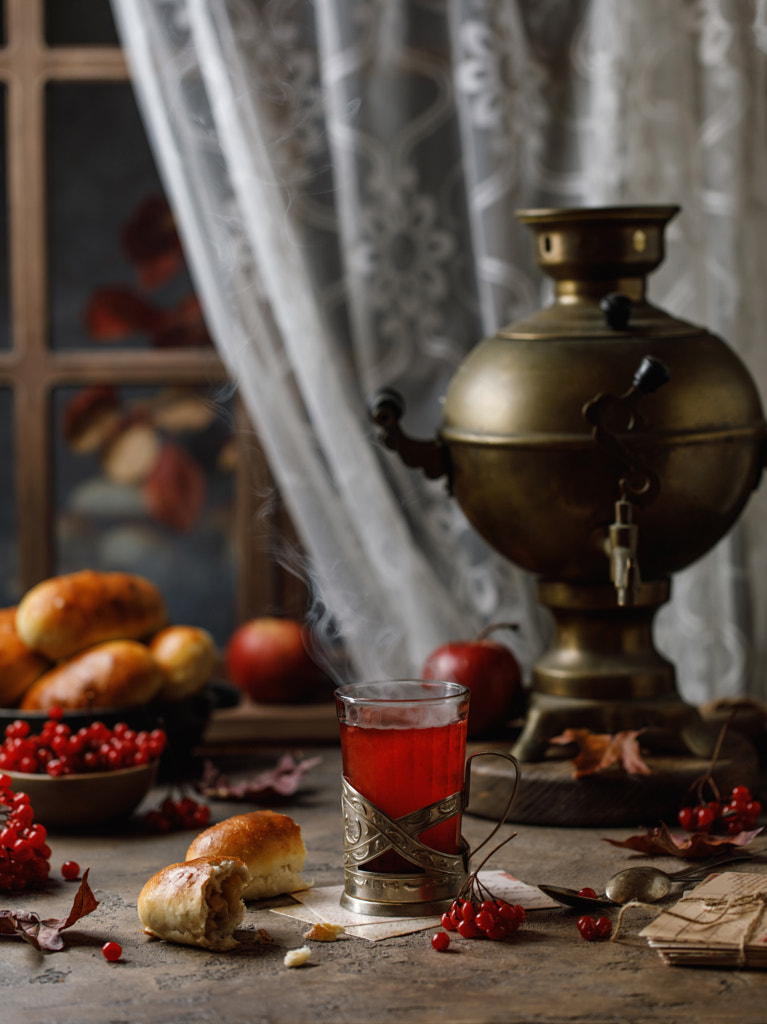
x=187, y=656
x=19, y=666
x=64, y=614
x=269, y=844
x=117, y=673
x=197, y=903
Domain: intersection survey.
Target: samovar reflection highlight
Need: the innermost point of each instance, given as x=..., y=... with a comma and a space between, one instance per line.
x=602, y=445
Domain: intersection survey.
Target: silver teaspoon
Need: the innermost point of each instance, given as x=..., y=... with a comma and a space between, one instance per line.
x=643, y=883
x=572, y=898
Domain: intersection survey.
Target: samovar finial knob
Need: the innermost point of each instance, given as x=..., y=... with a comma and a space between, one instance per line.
x=617, y=310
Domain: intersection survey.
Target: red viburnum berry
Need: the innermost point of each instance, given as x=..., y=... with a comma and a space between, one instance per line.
x=112, y=951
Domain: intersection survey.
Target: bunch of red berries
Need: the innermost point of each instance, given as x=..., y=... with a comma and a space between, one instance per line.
x=24, y=852
x=177, y=815
x=738, y=814
x=57, y=750
x=487, y=918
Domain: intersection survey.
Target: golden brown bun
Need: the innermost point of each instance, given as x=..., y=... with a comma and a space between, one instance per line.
x=117, y=673
x=19, y=666
x=197, y=903
x=269, y=844
x=187, y=656
x=64, y=614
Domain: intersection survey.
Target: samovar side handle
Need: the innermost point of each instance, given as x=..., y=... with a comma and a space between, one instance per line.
x=386, y=408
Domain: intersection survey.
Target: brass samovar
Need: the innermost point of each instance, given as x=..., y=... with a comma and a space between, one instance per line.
x=603, y=445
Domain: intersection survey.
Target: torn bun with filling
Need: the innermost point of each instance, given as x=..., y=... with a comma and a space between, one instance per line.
x=195, y=903
x=269, y=844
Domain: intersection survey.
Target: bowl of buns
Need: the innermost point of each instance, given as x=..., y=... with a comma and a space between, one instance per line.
x=99, y=644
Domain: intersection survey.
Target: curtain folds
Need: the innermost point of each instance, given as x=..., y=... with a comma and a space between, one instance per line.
x=345, y=175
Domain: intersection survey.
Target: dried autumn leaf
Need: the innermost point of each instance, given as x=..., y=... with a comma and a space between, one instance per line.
x=174, y=491
x=659, y=841
x=115, y=313
x=276, y=783
x=181, y=326
x=90, y=417
x=600, y=751
x=627, y=744
x=46, y=934
x=83, y=904
x=151, y=241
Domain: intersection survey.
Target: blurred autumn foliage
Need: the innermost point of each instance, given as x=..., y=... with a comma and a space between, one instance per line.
x=152, y=245
x=137, y=443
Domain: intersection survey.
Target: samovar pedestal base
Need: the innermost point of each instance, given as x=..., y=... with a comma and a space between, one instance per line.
x=669, y=722
x=603, y=673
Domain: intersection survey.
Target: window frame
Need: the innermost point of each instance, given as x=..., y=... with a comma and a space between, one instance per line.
x=32, y=370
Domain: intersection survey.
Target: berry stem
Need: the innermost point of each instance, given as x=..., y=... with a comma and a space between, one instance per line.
x=502, y=820
x=484, y=633
x=707, y=778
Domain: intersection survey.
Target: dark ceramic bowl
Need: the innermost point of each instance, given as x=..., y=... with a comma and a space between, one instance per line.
x=79, y=801
x=184, y=721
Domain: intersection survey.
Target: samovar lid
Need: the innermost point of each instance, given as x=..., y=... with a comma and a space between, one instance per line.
x=606, y=243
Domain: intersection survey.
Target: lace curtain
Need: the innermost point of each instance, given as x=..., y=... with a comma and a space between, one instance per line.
x=345, y=175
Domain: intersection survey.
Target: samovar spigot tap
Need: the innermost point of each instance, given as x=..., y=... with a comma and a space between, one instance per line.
x=622, y=547
x=613, y=416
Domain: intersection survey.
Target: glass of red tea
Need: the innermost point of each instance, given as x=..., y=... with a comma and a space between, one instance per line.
x=403, y=747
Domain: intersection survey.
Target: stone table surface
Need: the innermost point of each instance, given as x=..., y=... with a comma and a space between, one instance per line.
x=545, y=974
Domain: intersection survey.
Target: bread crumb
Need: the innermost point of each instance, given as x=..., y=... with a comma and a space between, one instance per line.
x=324, y=932
x=264, y=936
x=297, y=957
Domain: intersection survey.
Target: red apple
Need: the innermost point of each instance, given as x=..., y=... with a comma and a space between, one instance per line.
x=268, y=659
x=490, y=671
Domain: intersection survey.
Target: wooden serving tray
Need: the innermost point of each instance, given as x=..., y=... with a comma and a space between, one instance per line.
x=273, y=724
x=548, y=793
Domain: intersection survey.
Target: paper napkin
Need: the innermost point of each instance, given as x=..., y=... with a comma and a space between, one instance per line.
x=323, y=905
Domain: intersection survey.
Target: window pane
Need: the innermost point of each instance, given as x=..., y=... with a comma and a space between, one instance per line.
x=79, y=23
x=9, y=588
x=117, y=275
x=143, y=483
x=5, y=304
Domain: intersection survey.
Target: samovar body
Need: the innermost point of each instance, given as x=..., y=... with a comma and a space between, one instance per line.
x=603, y=445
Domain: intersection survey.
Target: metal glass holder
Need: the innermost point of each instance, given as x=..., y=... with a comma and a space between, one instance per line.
x=369, y=833
x=437, y=877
